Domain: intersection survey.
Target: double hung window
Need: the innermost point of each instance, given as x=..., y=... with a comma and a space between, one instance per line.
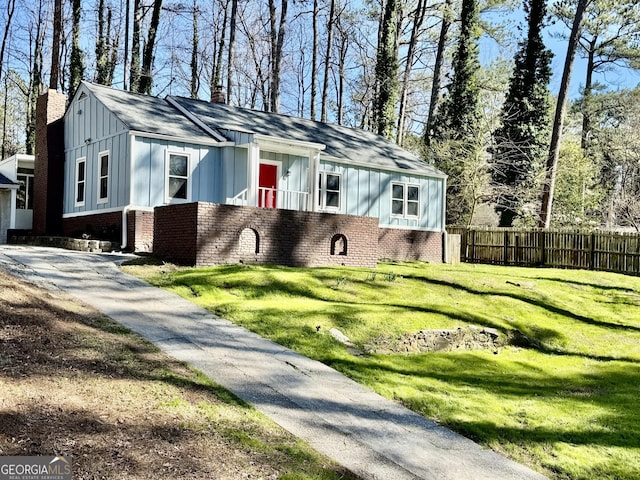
x=103, y=177
x=329, y=188
x=178, y=177
x=405, y=200
x=81, y=180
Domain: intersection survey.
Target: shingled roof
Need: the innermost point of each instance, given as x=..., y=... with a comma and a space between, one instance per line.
x=144, y=113
x=342, y=143
x=347, y=145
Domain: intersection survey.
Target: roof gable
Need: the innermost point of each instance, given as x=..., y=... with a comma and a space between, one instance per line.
x=144, y=113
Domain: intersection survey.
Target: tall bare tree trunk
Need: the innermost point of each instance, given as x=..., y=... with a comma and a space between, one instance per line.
x=112, y=50
x=55, y=46
x=342, y=58
x=314, y=59
x=561, y=107
x=327, y=62
x=277, y=42
x=586, y=99
x=125, y=60
x=35, y=80
x=134, y=73
x=437, y=71
x=232, y=46
x=215, y=82
x=11, y=7
x=146, y=75
x=418, y=18
x=194, y=53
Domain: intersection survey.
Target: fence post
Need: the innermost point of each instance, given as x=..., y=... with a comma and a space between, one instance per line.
x=505, y=258
x=473, y=246
x=543, y=252
x=592, y=253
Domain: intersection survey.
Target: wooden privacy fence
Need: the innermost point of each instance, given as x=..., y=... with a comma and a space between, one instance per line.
x=613, y=252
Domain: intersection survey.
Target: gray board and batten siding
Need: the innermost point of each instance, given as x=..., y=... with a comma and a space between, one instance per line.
x=146, y=129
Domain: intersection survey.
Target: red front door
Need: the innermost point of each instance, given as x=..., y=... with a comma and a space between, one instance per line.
x=267, y=185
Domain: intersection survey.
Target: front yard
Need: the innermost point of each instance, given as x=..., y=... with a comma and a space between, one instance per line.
x=564, y=402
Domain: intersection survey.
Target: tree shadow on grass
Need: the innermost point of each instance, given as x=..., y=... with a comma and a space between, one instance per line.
x=531, y=301
x=613, y=389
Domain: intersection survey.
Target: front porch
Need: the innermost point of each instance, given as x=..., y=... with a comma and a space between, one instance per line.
x=281, y=174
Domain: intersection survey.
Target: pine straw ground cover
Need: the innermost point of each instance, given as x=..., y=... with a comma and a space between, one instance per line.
x=74, y=382
x=566, y=403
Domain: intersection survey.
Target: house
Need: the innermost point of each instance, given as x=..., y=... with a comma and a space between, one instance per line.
x=16, y=194
x=205, y=183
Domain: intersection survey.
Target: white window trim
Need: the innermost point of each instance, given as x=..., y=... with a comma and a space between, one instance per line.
x=76, y=182
x=405, y=200
x=100, y=177
x=169, y=199
x=323, y=192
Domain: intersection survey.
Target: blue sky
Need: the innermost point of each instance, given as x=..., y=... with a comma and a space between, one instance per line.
x=616, y=78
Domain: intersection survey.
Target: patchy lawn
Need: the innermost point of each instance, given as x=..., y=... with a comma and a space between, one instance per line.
x=74, y=382
x=564, y=403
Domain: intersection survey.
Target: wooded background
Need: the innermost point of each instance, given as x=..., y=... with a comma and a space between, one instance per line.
x=463, y=83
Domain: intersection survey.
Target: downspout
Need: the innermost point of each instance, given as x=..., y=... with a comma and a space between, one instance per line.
x=445, y=244
x=128, y=207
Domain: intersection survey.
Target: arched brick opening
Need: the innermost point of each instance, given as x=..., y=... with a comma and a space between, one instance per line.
x=249, y=241
x=339, y=244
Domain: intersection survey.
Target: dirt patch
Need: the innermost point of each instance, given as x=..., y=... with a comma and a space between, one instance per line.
x=470, y=338
x=76, y=383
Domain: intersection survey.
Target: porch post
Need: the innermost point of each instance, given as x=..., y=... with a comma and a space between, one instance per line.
x=253, y=166
x=314, y=165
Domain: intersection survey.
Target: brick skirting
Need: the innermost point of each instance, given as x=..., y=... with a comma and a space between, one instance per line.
x=210, y=234
x=399, y=244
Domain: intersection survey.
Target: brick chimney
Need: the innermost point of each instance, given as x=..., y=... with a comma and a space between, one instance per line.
x=218, y=96
x=49, y=163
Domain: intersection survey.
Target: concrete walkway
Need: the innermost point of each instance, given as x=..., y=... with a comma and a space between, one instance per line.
x=373, y=437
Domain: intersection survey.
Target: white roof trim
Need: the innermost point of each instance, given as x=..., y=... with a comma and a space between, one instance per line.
x=263, y=140
x=194, y=140
x=405, y=171
x=172, y=101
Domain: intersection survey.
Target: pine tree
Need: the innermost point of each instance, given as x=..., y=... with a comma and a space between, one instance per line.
x=455, y=144
x=522, y=140
x=459, y=115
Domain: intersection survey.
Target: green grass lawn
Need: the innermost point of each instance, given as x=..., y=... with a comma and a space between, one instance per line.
x=570, y=407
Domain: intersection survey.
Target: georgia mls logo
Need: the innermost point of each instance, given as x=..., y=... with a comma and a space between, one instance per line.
x=35, y=468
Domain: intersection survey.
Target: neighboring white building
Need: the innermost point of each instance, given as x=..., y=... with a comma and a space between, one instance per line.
x=16, y=194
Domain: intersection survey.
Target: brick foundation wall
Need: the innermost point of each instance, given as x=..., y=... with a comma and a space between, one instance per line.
x=209, y=234
x=140, y=231
x=108, y=226
x=103, y=226
x=175, y=233
x=398, y=244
